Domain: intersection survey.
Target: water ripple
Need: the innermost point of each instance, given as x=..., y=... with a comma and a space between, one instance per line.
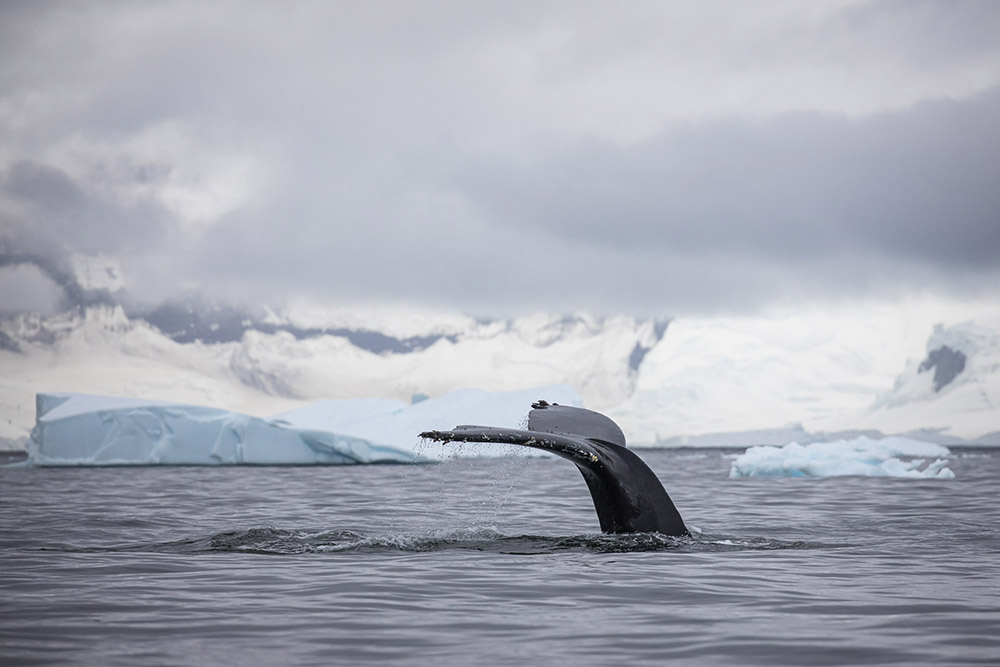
x=493, y=562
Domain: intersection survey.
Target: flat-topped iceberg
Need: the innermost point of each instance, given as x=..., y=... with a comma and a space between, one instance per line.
x=85, y=430
x=885, y=457
x=82, y=430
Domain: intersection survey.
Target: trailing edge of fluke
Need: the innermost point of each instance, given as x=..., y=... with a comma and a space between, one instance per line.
x=628, y=496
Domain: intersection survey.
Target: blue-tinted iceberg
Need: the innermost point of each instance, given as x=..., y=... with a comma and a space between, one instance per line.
x=84, y=430
x=886, y=457
x=81, y=430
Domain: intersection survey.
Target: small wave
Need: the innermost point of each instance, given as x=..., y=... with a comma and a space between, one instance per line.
x=268, y=540
x=709, y=543
x=475, y=538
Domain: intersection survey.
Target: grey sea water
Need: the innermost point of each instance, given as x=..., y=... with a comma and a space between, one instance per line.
x=494, y=561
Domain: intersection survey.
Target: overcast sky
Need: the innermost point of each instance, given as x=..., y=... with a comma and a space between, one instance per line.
x=497, y=157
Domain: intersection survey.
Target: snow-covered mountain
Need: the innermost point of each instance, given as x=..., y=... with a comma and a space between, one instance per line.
x=954, y=391
x=818, y=375
x=286, y=361
x=797, y=375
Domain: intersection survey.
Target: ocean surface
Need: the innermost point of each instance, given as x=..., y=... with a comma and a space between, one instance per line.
x=495, y=562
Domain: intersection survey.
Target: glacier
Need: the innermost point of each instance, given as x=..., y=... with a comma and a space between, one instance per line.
x=862, y=456
x=88, y=430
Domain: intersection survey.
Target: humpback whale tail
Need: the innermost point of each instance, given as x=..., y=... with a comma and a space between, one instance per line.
x=628, y=496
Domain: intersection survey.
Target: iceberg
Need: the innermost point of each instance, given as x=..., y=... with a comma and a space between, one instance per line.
x=83, y=430
x=87, y=430
x=397, y=423
x=885, y=457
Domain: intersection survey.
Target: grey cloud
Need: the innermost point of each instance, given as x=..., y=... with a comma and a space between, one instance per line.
x=26, y=288
x=48, y=205
x=46, y=216
x=918, y=184
x=928, y=32
x=493, y=157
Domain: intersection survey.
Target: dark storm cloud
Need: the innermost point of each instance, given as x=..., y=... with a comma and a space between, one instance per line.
x=652, y=156
x=54, y=205
x=47, y=217
x=917, y=185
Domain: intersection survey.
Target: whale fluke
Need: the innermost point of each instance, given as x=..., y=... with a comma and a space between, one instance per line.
x=628, y=496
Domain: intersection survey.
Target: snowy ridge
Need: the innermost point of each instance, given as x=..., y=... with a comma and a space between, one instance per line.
x=966, y=404
x=100, y=350
x=794, y=375
x=813, y=376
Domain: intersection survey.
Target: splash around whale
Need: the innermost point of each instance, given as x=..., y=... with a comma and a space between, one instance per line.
x=628, y=496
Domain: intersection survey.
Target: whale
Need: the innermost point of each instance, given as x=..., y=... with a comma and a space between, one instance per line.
x=627, y=494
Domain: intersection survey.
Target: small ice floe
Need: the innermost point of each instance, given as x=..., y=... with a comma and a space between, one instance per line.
x=886, y=457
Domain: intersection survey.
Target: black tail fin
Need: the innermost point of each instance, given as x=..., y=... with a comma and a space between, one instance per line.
x=628, y=496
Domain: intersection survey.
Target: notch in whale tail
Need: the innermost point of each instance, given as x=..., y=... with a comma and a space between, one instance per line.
x=628, y=496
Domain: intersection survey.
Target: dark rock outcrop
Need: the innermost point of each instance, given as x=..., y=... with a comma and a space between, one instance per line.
x=947, y=364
